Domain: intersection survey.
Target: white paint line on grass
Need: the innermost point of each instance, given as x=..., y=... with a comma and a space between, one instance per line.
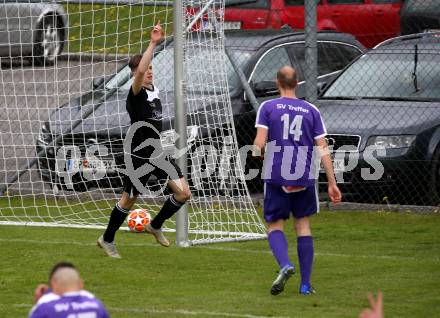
x=70, y=242
x=221, y=248
x=180, y=312
x=233, y=249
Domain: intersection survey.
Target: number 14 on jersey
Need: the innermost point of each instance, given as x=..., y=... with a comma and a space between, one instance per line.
x=292, y=128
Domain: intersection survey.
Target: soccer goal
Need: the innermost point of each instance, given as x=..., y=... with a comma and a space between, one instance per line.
x=63, y=84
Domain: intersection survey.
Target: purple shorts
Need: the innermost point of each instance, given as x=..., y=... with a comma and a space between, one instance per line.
x=279, y=205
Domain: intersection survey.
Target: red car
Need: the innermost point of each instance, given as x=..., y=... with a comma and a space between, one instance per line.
x=371, y=21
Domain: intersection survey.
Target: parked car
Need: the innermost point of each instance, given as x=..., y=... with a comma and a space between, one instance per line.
x=258, y=54
x=371, y=21
x=389, y=98
x=419, y=15
x=32, y=30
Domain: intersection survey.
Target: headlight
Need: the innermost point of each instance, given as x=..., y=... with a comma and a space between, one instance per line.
x=393, y=142
x=168, y=137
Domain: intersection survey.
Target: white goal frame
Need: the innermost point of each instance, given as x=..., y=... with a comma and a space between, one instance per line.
x=184, y=232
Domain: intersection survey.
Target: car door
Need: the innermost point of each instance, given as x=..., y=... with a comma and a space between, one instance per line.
x=246, y=14
x=264, y=73
x=9, y=26
x=262, y=77
x=3, y=28
x=293, y=13
x=333, y=56
x=355, y=17
x=387, y=16
x=15, y=27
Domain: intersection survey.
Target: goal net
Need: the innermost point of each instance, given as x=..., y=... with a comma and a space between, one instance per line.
x=63, y=84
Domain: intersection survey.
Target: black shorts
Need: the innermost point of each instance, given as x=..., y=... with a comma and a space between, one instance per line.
x=161, y=176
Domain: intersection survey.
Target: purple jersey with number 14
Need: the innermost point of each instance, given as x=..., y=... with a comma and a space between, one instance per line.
x=293, y=125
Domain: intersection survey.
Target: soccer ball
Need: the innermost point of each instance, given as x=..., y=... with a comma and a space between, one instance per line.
x=138, y=219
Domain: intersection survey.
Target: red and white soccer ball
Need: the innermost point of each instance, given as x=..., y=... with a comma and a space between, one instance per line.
x=138, y=219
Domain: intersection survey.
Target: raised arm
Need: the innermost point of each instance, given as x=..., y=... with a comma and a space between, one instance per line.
x=156, y=36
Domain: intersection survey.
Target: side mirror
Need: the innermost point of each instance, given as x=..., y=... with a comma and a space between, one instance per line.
x=321, y=87
x=97, y=81
x=265, y=88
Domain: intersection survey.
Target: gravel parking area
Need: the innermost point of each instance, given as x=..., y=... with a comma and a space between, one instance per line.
x=27, y=96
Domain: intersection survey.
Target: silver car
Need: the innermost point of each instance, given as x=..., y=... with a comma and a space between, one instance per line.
x=33, y=30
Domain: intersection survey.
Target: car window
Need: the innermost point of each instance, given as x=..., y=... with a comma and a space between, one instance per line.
x=269, y=65
x=241, y=59
x=387, y=1
x=208, y=66
x=248, y=4
x=333, y=57
x=390, y=75
x=299, y=60
x=344, y=1
x=298, y=2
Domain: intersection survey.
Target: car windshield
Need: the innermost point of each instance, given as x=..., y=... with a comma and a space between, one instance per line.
x=205, y=70
x=388, y=75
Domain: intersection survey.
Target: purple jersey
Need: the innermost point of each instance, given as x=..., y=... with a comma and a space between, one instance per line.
x=81, y=304
x=293, y=125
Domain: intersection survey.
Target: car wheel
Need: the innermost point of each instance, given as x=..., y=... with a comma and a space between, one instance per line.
x=49, y=41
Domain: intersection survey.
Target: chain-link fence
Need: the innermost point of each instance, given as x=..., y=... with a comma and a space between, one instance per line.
x=378, y=108
x=381, y=109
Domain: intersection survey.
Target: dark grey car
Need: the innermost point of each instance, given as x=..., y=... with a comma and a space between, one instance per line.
x=32, y=30
x=258, y=54
x=386, y=107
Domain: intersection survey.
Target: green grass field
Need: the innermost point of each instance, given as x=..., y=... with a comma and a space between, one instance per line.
x=398, y=253
x=356, y=252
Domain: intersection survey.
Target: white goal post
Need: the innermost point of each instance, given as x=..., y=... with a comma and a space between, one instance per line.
x=64, y=119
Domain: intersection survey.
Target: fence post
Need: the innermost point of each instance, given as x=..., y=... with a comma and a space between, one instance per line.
x=180, y=115
x=311, y=52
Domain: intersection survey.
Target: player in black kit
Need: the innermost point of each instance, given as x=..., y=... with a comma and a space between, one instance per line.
x=145, y=110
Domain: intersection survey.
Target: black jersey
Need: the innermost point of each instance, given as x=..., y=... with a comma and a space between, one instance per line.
x=145, y=107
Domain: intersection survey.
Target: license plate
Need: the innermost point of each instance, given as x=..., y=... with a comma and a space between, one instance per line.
x=338, y=165
x=231, y=25
x=228, y=25
x=73, y=165
x=206, y=25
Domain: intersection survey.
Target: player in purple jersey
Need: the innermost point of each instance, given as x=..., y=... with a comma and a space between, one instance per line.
x=66, y=298
x=291, y=134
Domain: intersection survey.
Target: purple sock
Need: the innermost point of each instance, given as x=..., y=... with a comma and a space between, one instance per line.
x=305, y=257
x=278, y=245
